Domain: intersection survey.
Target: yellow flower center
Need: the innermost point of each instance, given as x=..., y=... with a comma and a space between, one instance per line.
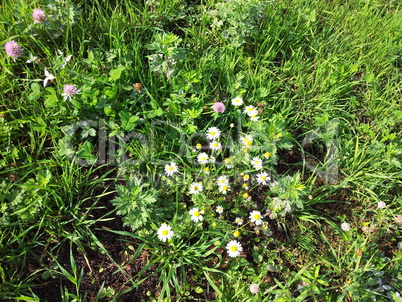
x=236, y=233
x=212, y=133
x=195, y=188
x=171, y=168
x=256, y=216
x=233, y=248
x=165, y=232
x=267, y=154
x=246, y=195
x=249, y=143
x=244, y=185
x=198, y=146
x=206, y=169
x=224, y=188
x=263, y=178
x=196, y=214
x=246, y=177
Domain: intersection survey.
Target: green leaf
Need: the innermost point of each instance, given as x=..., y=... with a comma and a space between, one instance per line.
x=115, y=74
x=51, y=98
x=35, y=94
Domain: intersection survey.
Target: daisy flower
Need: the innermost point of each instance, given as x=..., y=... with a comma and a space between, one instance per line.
x=249, y=110
x=256, y=162
x=255, y=216
x=219, y=209
x=228, y=163
x=262, y=178
x=234, y=248
x=202, y=158
x=171, y=168
x=254, y=117
x=237, y=101
x=165, y=232
x=247, y=140
x=223, y=181
x=212, y=159
x=196, y=215
x=224, y=189
x=195, y=188
x=239, y=221
x=215, y=146
x=213, y=133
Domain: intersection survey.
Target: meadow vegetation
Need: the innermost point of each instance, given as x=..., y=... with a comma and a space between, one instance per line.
x=201, y=150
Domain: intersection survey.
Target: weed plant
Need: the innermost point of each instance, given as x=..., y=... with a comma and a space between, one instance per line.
x=232, y=150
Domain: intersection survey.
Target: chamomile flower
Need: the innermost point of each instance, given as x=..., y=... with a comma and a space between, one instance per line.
x=165, y=232
x=255, y=216
x=219, y=209
x=256, y=162
x=236, y=233
x=247, y=140
x=202, y=158
x=228, y=163
x=237, y=101
x=223, y=181
x=171, y=168
x=215, y=146
x=245, y=186
x=213, y=133
x=224, y=189
x=262, y=178
x=198, y=146
x=212, y=159
x=195, y=188
x=246, y=177
x=234, y=248
x=206, y=170
x=254, y=117
x=239, y=221
x=196, y=215
x=267, y=154
x=249, y=110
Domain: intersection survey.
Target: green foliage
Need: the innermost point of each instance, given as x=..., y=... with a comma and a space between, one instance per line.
x=137, y=203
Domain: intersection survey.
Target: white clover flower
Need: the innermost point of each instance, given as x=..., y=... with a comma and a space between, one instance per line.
x=256, y=162
x=345, y=227
x=224, y=189
x=202, y=158
x=239, y=221
x=195, y=188
x=165, y=232
x=249, y=110
x=223, y=180
x=171, y=168
x=381, y=205
x=215, y=146
x=237, y=101
x=213, y=133
x=262, y=178
x=219, y=209
x=234, y=248
x=254, y=288
x=196, y=215
x=255, y=216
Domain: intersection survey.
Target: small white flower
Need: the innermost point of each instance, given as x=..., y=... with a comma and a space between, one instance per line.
x=32, y=58
x=224, y=189
x=171, y=168
x=256, y=162
x=247, y=140
x=195, y=188
x=234, y=248
x=345, y=227
x=228, y=163
x=165, y=232
x=262, y=178
x=249, y=110
x=254, y=117
x=254, y=288
x=219, y=209
x=202, y=158
x=239, y=221
x=215, y=146
x=237, y=101
x=212, y=159
x=255, y=216
x=213, y=133
x=381, y=205
x=48, y=77
x=223, y=181
x=196, y=215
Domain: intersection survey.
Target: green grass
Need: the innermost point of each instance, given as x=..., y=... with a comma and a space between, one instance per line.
x=83, y=177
